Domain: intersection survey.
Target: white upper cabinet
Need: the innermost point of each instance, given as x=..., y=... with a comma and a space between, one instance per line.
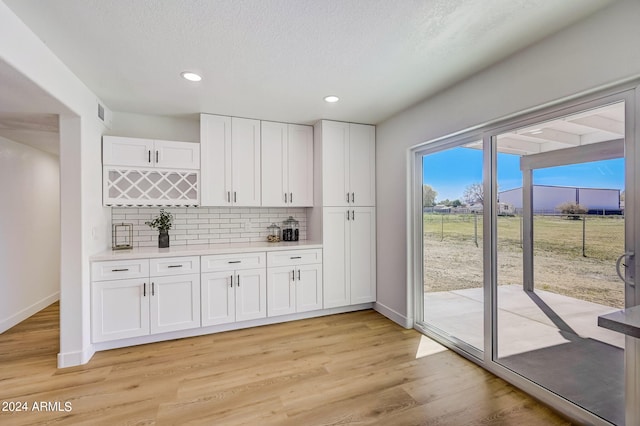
x=230, y=171
x=348, y=161
x=135, y=152
x=287, y=165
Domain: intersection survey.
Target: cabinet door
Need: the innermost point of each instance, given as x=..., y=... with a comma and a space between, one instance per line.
x=177, y=155
x=215, y=152
x=300, y=165
x=363, y=255
x=335, y=163
x=218, y=298
x=245, y=162
x=251, y=294
x=175, y=303
x=121, y=151
x=274, y=165
x=335, y=257
x=362, y=164
x=119, y=309
x=308, y=288
x=281, y=291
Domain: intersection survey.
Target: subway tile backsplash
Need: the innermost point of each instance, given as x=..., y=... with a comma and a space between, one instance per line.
x=208, y=225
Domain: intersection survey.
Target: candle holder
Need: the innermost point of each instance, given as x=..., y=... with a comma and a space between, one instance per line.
x=121, y=236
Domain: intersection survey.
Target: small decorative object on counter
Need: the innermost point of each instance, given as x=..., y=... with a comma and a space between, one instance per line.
x=121, y=236
x=274, y=233
x=290, y=229
x=162, y=223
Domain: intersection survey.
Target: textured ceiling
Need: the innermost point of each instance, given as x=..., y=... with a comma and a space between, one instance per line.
x=277, y=59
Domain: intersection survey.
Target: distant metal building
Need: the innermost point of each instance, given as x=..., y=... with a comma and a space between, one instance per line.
x=546, y=199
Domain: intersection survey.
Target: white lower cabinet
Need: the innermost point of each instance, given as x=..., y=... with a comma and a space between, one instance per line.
x=141, y=297
x=175, y=303
x=233, y=289
x=349, y=245
x=120, y=309
x=167, y=300
x=295, y=286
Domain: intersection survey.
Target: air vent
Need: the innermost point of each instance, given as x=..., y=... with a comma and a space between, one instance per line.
x=101, y=112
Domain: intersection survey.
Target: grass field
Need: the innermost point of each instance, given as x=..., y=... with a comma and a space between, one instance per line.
x=452, y=260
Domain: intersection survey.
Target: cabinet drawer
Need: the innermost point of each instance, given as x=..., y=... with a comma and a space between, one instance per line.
x=174, y=266
x=294, y=257
x=225, y=262
x=119, y=269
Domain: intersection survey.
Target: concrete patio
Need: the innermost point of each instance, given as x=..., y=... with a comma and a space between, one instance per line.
x=551, y=339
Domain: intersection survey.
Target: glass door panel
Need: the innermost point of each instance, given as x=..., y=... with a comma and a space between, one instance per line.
x=452, y=207
x=560, y=229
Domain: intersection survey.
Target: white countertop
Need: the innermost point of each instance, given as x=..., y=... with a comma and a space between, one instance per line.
x=203, y=250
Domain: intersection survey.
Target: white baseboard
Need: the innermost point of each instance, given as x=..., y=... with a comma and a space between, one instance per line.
x=393, y=315
x=72, y=359
x=25, y=313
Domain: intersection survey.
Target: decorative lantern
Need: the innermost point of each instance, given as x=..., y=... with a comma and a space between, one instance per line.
x=121, y=236
x=274, y=233
x=290, y=229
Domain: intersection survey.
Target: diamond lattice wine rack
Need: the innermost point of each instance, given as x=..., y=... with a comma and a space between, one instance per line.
x=149, y=187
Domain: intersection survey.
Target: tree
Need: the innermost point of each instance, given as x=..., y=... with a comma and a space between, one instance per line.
x=474, y=193
x=572, y=210
x=428, y=196
x=456, y=203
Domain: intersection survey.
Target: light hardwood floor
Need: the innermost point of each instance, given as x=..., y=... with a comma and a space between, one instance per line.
x=356, y=368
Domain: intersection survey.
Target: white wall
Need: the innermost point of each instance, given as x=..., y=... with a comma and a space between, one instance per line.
x=84, y=222
x=29, y=232
x=185, y=129
x=600, y=50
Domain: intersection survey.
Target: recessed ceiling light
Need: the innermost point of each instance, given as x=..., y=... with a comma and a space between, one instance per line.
x=191, y=76
x=331, y=99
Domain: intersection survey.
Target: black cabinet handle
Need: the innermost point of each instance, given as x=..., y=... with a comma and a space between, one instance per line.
x=228, y=196
x=296, y=257
x=238, y=282
x=347, y=197
x=174, y=266
x=144, y=290
x=231, y=281
x=234, y=197
x=293, y=275
x=235, y=261
x=298, y=274
x=156, y=156
x=285, y=197
x=153, y=289
x=291, y=197
x=149, y=156
x=120, y=270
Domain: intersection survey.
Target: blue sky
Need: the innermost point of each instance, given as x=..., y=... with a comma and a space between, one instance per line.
x=450, y=172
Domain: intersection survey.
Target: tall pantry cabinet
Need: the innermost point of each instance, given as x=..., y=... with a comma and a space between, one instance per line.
x=346, y=220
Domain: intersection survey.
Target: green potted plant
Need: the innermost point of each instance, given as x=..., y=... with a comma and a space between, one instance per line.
x=162, y=223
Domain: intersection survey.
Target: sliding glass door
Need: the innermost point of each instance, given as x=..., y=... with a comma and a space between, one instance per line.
x=452, y=241
x=524, y=229
x=560, y=228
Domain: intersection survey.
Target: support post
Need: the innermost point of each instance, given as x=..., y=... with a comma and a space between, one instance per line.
x=527, y=230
